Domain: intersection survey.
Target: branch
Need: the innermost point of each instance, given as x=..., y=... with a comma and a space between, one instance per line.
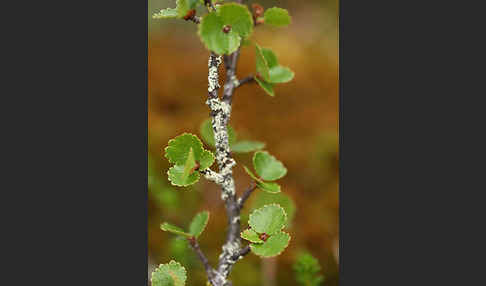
x=195, y=19
x=241, y=201
x=248, y=79
x=220, y=115
x=213, y=176
x=202, y=257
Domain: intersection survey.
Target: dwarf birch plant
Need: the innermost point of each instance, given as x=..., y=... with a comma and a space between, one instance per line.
x=223, y=29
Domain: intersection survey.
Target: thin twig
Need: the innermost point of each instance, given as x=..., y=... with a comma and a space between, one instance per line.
x=246, y=195
x=202, y=257
x=196, y=19
x=248, y=79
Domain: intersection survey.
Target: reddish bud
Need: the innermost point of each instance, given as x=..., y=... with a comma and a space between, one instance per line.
x=257, y=10
x=190, y=14
x=226, y=29
x=195, y=167
x=264, y=236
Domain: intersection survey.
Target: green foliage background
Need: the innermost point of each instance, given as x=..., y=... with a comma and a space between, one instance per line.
x=299, y=126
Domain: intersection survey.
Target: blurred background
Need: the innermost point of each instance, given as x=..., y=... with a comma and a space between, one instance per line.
x=299, y=126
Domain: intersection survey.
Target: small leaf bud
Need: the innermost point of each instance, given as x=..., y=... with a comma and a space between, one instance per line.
x=190, y=14
x=226, y=29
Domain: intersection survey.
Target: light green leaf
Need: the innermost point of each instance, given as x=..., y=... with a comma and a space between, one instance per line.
x=199, y=223
x=274, y=245
x=251, y=236
x=268, y=219
x=206, y=159
x=189, y=166
x=247, y=146
x=236, y=17
x=184, y=6
x=268, y=167
x=269, y=187
x=280, y=74
x=267, y=87
x=178, y=148
x=213, y=37
x=251, y=174
x=277, y=17
x=262, y=67
x=165, y=13
x=207, y=133
x=176, y=176
x=270, y=57
x=265, y=198
x=276, y=73
x=169, y=274
x=174, y=229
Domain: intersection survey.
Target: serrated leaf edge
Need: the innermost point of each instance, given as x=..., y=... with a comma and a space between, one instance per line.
x=173, y=139
x=251, y=241
x=178, y=185
x=172, y=262
x=212, y=161
x=266, y=206
x=290, y=238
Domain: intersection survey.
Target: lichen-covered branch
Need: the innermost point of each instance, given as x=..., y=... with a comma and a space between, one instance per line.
x=220, y=116
x=213, y=176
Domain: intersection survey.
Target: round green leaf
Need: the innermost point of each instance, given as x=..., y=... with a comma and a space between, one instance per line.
x=251, y=236
x=165, y=13
x=267, y=87
x=265, y=198
x=268, y=167
x=262, y=67
x=213, y=37
x=178, y=149
x=247, y=146
x=280, y=74
x=277, y=17
x=174, y=229
x=176, y=176
x=199, y=223
x=274, y=245
x=169, y=274
x=268, y=219
x=207, y=133
x=237, y=17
